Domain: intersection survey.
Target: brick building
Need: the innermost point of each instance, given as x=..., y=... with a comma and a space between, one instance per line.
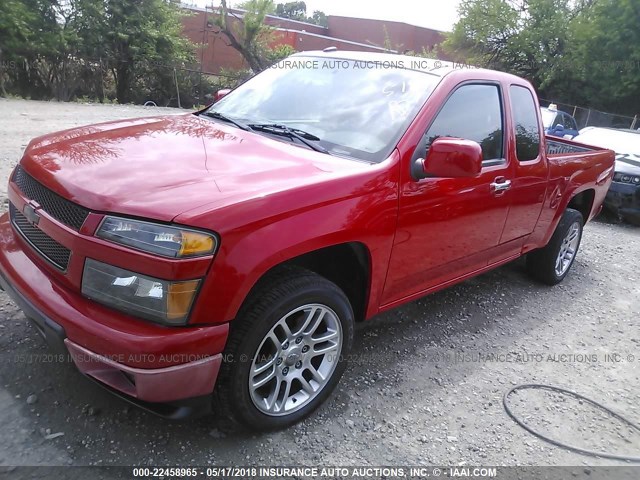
x=345, y=33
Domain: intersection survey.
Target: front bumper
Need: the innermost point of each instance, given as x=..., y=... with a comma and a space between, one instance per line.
x=145, y=363
x=623, y=200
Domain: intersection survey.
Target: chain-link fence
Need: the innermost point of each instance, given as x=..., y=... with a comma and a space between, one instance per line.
x=191, y=87
x=589, y=117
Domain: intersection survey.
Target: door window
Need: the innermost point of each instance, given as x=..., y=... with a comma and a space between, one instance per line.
x=473, y=112
x=526, y=123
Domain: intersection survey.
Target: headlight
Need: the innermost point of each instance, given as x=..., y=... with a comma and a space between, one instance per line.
x=139, y=295
x=624, y=178
x=173, y=242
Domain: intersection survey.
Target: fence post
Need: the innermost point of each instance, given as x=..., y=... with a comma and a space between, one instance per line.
x=175, y=77
x=101, y=81
x=633, y=124
x=586, y=124
x=205, y=42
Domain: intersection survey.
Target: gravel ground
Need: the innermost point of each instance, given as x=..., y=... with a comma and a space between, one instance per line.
x=425, y=386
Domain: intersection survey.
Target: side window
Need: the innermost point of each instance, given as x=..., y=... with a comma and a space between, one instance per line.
x=572, y=123
x=559, y=120
x=562, y=120
x=473, y=112
x=526, y=123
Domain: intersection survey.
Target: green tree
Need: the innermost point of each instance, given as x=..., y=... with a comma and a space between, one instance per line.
x=58, y=52
x=319, y=18
x=486, y=34
x=607, y=52
x=40, y=46
x=280, y=52
x=292, y=10
x=141, y=38
x=577, y=51
x=62, y=48
x=16, y=32
x=298, y=11
x=249, y=35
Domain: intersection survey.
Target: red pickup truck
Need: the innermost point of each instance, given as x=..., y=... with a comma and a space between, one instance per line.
x=236, y=247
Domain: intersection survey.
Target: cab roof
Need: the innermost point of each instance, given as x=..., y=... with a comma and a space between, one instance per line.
x=432, y=66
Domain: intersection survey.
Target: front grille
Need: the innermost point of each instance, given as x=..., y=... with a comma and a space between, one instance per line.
x=40, y=241
x=59, y=208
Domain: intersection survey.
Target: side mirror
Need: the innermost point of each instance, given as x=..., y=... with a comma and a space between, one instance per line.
x=451, y=158
x=220, y=94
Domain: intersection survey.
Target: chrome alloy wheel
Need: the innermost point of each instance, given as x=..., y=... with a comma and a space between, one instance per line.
x=295, y=360
x=568, y=249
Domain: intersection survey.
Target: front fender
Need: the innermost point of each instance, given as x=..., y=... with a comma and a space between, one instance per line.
x=368, y=216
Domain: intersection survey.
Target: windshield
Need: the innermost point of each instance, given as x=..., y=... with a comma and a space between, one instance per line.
x=355, y=110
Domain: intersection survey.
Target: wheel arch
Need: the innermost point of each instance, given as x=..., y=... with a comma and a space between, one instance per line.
x=348, y=265
x=583, y=202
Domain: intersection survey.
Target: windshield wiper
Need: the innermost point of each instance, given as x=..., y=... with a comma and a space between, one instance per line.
x=283, y=130
x=224, y=118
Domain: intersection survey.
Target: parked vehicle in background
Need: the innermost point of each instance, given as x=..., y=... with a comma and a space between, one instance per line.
x=236, y=247
x=623, y=199
x=558, y=123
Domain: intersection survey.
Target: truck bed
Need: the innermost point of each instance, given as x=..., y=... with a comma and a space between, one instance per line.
x=575, y=167
x=562, y=146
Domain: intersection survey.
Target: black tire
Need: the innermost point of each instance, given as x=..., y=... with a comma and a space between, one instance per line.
x=273, y=298
x=541, y=263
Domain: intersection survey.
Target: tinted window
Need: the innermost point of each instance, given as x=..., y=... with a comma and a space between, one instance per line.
x=473, y=112
x=571, y=123
x=526, y=122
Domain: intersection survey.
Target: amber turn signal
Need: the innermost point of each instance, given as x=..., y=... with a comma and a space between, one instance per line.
x=180, y=298
x=194, y=243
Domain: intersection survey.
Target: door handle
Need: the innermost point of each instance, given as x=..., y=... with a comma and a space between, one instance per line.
x=500, y=184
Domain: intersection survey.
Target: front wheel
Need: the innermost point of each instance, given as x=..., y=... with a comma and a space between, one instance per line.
x=286, y=351
x=552, y=263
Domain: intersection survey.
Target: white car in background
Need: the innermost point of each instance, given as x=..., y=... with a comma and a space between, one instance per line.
x=623, y=199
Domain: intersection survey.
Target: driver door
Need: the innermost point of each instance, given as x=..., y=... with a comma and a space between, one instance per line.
x=449, y=227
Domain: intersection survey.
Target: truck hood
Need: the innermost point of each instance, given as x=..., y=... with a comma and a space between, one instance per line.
x=628, y=164
x=163, y=166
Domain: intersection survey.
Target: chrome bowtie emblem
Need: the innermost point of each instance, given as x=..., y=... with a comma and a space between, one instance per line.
x=31, y=215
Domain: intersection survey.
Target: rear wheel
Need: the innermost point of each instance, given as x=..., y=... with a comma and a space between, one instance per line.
x=552, y=263
x=286, y=350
